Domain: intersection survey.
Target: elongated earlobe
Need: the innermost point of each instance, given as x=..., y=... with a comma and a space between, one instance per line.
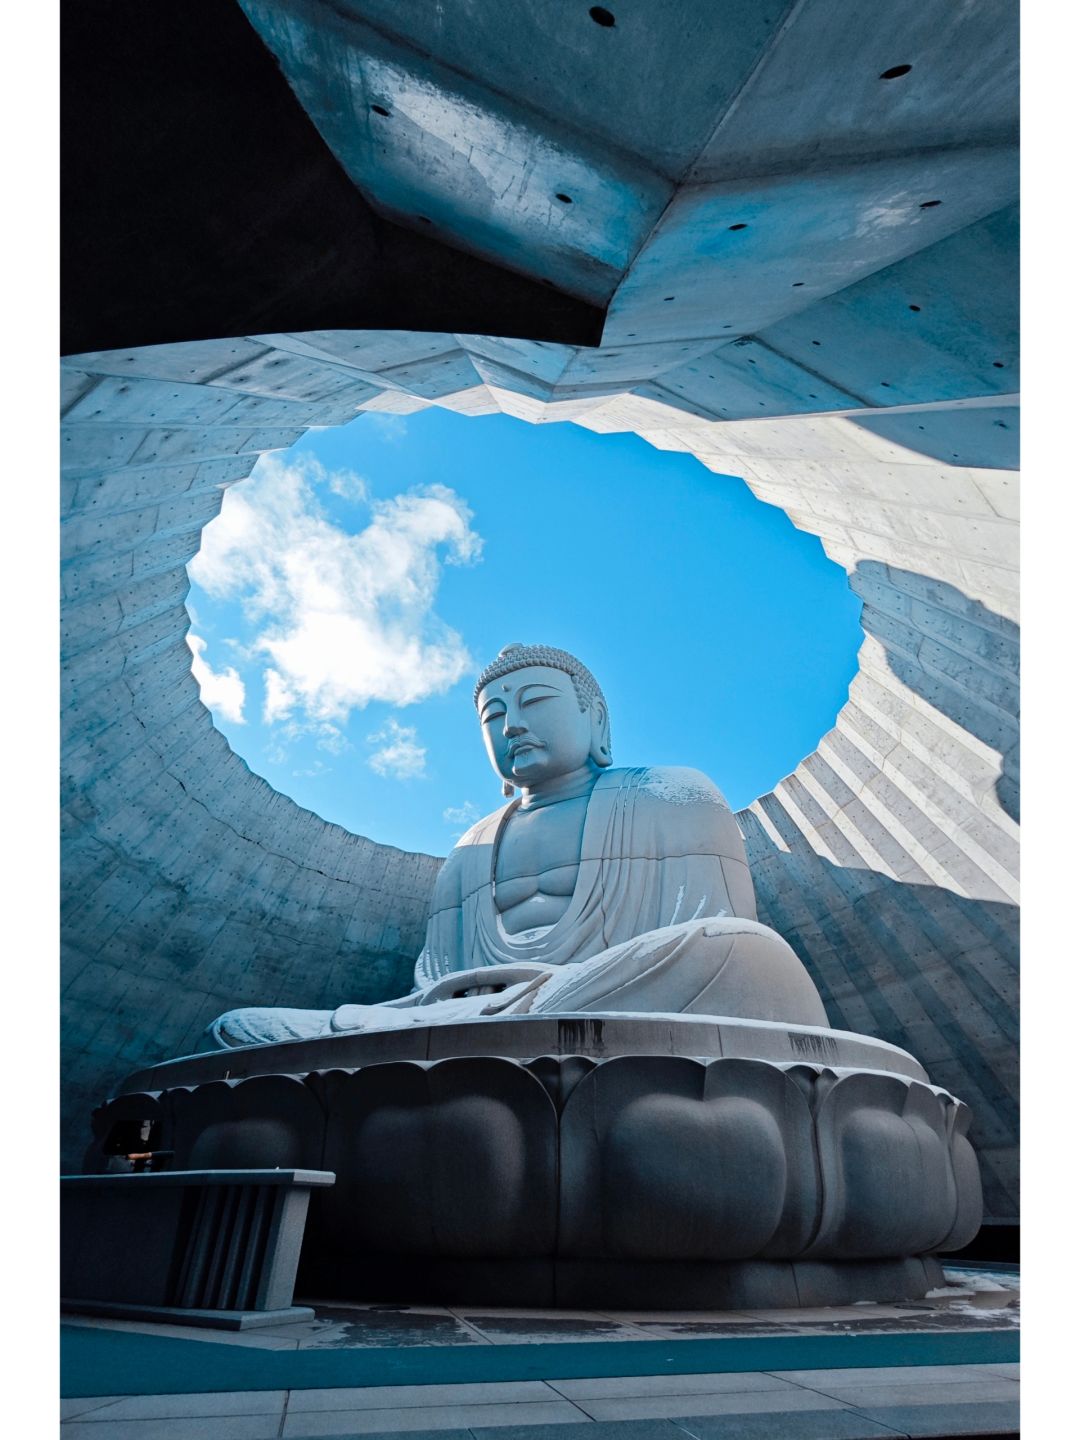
x=600, y=746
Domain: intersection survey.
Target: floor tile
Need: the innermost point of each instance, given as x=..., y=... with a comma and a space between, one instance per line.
x=631, y=1385
x=986, y=1418
x=512, y=1329
x=416, y=1434
x=642, y=1407
x=152, y=1407
x=472, y=1313
x=441, y=1417
x=591, y=1430
x=220, y=1427
x=803, y=1425
x=412, y=1397
x=867, y=1397
x=425, y=1435
x=884, y=1375
x=69, y=1409
x=673, y=1317
x=1006, y=1372
x=341, y=1326
x=706, y=1329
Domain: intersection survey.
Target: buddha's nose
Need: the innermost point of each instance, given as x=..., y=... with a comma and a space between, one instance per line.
x=511, y=730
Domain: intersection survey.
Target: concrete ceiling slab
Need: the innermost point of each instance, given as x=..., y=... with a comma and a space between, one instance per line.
x=741, y=255
x=652, y=91
x=823, y=92
x=942, y=324
x=460, y=161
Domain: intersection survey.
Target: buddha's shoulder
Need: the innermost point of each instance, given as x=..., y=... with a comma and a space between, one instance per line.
x=471, y=855
x=666, y=786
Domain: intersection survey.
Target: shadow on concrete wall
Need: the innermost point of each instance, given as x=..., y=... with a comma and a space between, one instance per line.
x=959, y=656
x=918, y=966
x=142, y=998
x=987, y=438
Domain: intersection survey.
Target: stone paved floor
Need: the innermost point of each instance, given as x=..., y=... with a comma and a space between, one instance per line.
x=840, y=1404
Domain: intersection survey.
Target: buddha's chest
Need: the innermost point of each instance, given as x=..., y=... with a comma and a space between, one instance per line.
x=537, y=861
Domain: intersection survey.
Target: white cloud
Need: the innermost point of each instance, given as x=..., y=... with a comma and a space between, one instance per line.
x=317, y=769
x=343, y=619
x=401, y=757
x=348, y=485
x=461, y=817
x=279, y=700
x=389, y=426
x=461, y=814
x=330, y=738
x=221, y=691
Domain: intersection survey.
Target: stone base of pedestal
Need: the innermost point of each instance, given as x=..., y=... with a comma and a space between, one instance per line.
x=632, y=1162
x=619, y=1284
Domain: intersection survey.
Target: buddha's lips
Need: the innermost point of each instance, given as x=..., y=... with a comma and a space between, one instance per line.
x=521, y=746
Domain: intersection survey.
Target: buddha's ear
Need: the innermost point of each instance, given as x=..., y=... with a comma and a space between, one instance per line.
x=600, y=745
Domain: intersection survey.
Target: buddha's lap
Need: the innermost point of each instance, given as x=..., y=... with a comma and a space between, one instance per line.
x=715, y=965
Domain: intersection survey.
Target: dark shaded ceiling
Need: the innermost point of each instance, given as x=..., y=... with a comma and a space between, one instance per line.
x=200, y=202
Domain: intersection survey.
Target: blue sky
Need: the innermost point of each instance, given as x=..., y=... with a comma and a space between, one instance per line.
x=351, y=590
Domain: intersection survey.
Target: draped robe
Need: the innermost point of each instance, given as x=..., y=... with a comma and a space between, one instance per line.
x=661, y=920
x=660, y=847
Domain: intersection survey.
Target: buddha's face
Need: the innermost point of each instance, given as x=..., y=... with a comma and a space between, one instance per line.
x=534, y=727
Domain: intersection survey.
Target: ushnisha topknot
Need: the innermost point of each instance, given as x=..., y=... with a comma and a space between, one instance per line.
x=516, y=657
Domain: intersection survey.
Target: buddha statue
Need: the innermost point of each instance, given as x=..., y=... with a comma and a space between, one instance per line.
x=599, y=890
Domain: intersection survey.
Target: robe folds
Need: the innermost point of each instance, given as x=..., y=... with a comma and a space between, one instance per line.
x=661, y=921
x=660, y=847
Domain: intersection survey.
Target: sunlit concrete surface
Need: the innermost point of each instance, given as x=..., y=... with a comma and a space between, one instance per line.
x=810, y=279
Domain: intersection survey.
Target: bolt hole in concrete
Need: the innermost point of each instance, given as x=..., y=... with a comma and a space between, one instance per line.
x=929, y=204
x=602, y=17
x=351, y=589
x=566, y=200
x=895, y=72
x=380, y=110
x=740, y=226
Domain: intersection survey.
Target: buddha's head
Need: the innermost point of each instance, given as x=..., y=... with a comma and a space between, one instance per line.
x=542, y=715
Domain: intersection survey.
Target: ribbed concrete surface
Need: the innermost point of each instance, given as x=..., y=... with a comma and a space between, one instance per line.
x=888, y=858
